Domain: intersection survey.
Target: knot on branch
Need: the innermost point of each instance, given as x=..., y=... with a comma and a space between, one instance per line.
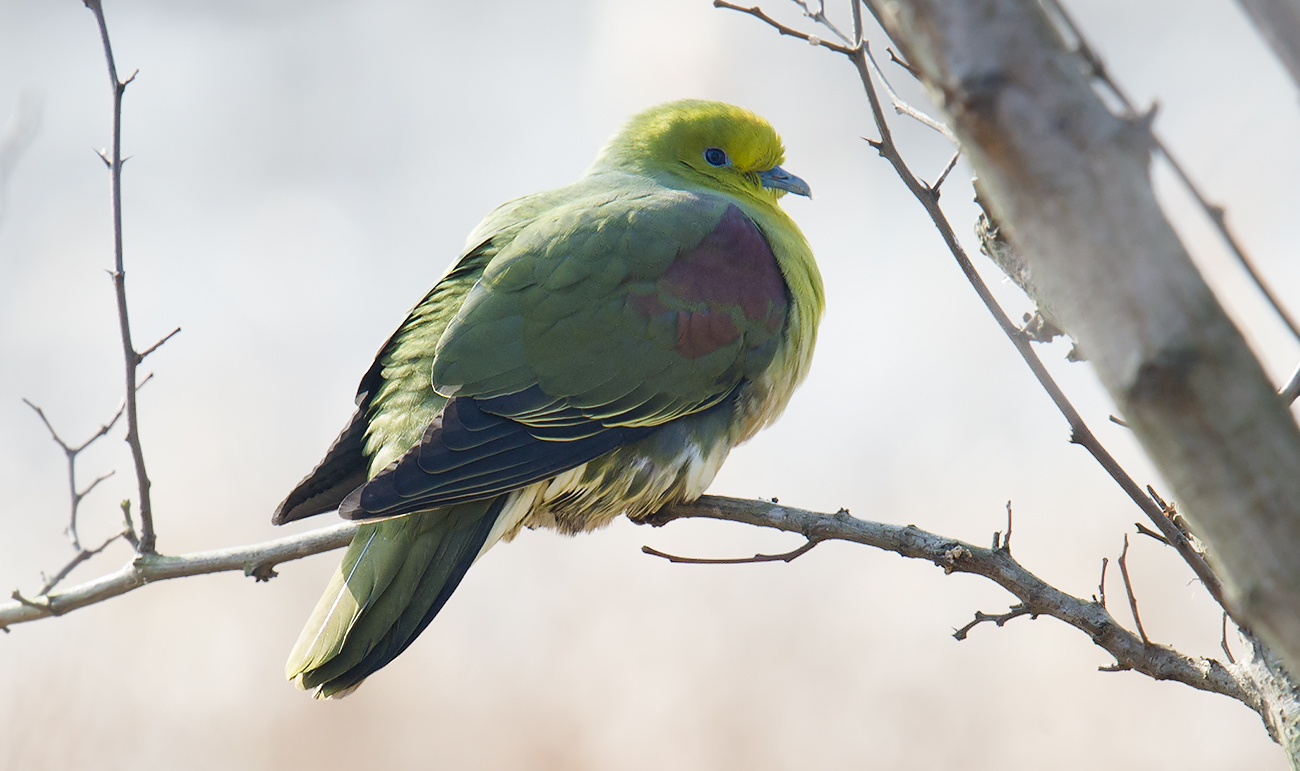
x=951, y=556
x=261, y=572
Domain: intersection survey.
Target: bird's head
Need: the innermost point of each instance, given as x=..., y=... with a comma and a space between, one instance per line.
x=714, y=144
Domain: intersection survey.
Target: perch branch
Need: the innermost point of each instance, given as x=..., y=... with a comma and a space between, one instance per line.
x=1036, y=597
x=256, y=560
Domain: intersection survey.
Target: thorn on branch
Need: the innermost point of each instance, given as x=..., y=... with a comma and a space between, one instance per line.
x=783, y=557
x=1144, y=530
x=1016, y=611
x=893, y=57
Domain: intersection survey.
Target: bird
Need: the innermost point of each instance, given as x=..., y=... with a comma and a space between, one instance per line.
x=595, y=350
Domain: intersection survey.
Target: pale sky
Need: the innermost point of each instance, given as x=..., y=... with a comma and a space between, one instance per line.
x=302, y=172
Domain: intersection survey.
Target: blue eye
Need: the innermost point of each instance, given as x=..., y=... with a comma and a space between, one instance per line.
x=715, y=156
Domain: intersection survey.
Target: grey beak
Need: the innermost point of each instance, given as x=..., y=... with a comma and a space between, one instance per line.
x=780, y=179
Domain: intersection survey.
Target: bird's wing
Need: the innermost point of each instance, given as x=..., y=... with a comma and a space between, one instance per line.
x=405, y=356
x=599, y=321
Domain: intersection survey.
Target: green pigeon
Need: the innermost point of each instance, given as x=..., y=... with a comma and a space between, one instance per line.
x=596, y=349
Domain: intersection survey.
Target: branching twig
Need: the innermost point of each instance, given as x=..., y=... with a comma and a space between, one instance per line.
x=75, y=496
x=131, y=356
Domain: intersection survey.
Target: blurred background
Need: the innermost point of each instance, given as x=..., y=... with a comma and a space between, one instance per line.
x=300, y=174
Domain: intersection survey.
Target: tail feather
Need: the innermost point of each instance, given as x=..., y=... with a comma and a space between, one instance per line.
x=396, y=576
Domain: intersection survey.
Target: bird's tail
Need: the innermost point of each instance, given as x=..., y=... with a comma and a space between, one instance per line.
x=396, y=576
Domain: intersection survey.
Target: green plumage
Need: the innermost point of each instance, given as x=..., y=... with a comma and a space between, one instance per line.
x=597, y=349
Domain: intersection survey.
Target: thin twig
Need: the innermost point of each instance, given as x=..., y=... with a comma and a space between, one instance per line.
x=1101, y=585
x=1224, y=642
x=1128, y=587
x=158, y=344
x=1216, y=214
x=131, y=356
x=788, y=556
x=757, y=13
x=1000, y=619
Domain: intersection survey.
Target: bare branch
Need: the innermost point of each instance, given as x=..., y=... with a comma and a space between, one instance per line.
x=955, y=556
x=131, y=356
